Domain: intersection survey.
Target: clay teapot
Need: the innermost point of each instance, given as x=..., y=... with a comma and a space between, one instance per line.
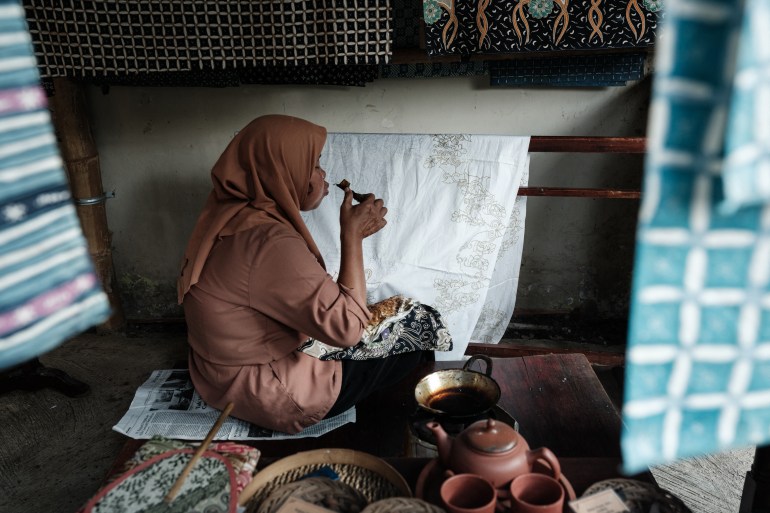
x=490, y=449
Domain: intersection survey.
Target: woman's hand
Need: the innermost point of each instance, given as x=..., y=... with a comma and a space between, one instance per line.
x=356, y=223
x=362, y=220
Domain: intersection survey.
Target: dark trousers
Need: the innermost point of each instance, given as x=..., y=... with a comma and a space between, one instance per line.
x=360, y=378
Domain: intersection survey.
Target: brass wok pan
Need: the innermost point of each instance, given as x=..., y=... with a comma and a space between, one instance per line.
x=458, y=393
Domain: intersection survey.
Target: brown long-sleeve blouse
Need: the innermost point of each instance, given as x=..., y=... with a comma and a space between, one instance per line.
x=260, y=295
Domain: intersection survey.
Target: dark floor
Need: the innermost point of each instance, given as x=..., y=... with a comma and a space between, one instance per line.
x=56, y=450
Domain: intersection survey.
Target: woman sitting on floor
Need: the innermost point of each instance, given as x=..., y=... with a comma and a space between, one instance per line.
x=268, y=327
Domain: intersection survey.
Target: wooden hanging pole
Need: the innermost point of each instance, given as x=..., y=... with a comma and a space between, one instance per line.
x=569, y=144
x=81, y=160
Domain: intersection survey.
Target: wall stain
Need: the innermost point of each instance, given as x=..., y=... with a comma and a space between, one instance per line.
x=147, y=298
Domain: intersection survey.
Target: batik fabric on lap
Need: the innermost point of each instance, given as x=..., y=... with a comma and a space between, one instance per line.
x=48, y=289
x=698, y=359
x=410, y=326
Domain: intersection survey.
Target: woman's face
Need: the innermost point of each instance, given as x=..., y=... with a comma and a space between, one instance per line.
x=317, y=189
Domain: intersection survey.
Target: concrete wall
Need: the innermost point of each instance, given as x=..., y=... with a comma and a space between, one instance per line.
x=157, y=146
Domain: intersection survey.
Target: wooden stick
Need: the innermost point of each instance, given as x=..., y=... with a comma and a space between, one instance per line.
x=201, y=449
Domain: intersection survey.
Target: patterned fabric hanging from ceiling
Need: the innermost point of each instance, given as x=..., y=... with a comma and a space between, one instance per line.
x=504, y=26
x=595, y=70
x=49, y=291
x=698, y=359
x=747, y=148
x=91, y=38
x=344, y=75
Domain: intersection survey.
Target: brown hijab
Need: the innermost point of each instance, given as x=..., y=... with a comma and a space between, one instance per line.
x=261, y=177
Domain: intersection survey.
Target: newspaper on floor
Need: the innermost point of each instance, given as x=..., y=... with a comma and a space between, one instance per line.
x=168, y=405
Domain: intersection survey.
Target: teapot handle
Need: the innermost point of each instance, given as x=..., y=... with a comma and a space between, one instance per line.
x=545, y=454
x=483, y=357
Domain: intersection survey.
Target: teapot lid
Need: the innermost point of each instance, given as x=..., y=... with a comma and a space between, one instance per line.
x=490, y=436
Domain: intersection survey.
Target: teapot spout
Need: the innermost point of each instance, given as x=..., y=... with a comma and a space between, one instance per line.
x=443, y=442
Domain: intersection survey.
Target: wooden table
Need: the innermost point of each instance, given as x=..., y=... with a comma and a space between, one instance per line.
x=557, y=400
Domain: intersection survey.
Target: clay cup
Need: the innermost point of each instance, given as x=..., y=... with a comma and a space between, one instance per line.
x=468, y=493
x=536, y=493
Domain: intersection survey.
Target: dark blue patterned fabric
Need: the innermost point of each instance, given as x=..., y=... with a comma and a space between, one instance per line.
x=597, y=70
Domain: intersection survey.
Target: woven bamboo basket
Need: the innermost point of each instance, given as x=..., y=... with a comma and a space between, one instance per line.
x=331, y=494
x=402, y=505
x=370, y=475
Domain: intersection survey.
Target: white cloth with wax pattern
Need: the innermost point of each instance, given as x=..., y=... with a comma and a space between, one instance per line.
x=455, y=227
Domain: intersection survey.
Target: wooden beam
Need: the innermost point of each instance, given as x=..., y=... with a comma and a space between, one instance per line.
x=579, y=193
x=81, y=159
x=517, y=349
x=568, y=144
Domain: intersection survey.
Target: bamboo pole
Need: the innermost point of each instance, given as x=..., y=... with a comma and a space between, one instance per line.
x=81, y=159
x=198, y=453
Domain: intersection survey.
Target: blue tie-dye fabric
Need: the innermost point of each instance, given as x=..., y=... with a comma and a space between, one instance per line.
x=48, y=289
x=698, y=360
x=747, y=160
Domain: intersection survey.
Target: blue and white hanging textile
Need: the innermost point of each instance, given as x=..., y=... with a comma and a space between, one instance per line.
x=48, y=289
x=698, y=361
x=747, y=159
